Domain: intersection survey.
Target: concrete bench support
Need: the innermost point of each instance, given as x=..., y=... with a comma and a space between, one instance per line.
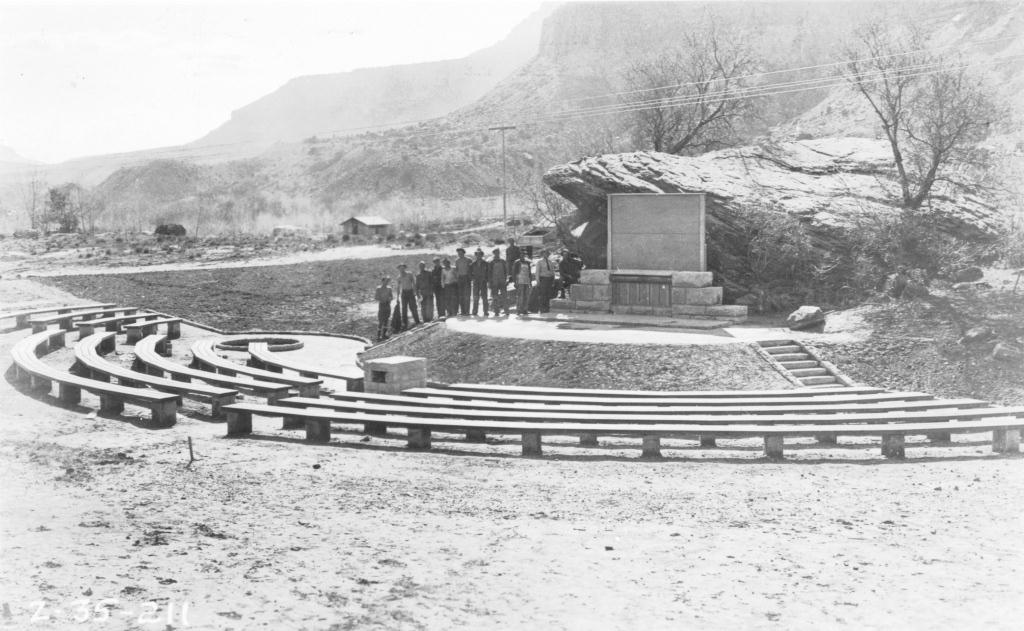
x=588, y=440
x=476, y=436
x=531, y=444
x=109, y=403
x=893, y=446
x=318, y=431
x=239, y=423
x=1006, y=441
x=708, y=441
x=652, y=447
x=375, y=429
x=69, y=394
x=419, y=439
x=292, y=422
x=940, y=437
x=826, y=439
x=773, y=447
x=165, y=413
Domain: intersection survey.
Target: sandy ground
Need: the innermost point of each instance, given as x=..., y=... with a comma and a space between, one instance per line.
x=104, y=515
x=60, y=263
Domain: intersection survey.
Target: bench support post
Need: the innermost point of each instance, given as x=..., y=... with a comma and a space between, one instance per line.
x=588, y=440
x=652, y=447
x=940, y=437
x=312, y=390
x=1006, y=441
x=217, y=402
x=292, y=422
x=165, y=413
x=419, y=439
x=375, y=429
x=318, y=430
x=708, y=441
x=773, y=447
x=826, y=439
x=893, y=446
x=173, y=330
x=110, y=403
x=531, y=444
x=239, y=423
x=69, y=394
x=475, y=436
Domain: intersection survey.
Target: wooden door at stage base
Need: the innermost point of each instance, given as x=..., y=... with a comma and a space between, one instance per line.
x=654, y=292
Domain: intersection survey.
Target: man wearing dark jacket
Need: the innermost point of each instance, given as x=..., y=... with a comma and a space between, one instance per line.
x=500, y=274
x=512, y=255
x=478, y=273
x=438, y=286
x=425, y=288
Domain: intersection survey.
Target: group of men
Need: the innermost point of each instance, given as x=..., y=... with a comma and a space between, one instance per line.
x=461, y=287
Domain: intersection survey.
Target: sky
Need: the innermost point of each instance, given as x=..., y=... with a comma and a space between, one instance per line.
x=93, y=77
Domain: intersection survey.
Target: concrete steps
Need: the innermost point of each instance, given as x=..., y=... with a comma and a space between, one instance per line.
x=799, y=363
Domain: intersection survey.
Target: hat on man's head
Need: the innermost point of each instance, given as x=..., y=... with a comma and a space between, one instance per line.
x=479, y=253
x=463, y=250
x=401, y=265
x=496, y=251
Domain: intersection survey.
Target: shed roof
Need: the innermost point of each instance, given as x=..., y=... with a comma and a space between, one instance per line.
x=369, y=220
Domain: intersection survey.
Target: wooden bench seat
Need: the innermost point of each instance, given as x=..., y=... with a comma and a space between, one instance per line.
x=21, y=317
x=149, y=360
x=26, y=353
x=740, y=397
x=139, y=330
x=204, y=356
x=260, y=356
x=317, y=421
x=695, y=406
x=110, y=323
x=89, y=353
x=655, y=394
x=64, y=320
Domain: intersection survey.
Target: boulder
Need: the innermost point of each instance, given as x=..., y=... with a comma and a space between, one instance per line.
x=968, y=275
x=170, y=230
x=1007, y=352
x=829, y=184
x=977, y=334
x=805, y=318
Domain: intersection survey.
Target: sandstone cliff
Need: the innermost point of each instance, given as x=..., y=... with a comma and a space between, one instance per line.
x=830, y=184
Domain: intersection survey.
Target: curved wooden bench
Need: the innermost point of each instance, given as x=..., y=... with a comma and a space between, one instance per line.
x=64, y=320
x=1005, y=429
x=485, y=388
x=89, y=353
x=260, y=356
x=739, y=396
x=149, y=360
x=110, y=323
x=205, y=356
x=26, y=353
x=139, y=330
x=21, y=317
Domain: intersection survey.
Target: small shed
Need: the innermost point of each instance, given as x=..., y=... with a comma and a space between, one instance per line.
x=367, y=226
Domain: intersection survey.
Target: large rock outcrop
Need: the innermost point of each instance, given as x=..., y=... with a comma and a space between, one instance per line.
x=830, y=184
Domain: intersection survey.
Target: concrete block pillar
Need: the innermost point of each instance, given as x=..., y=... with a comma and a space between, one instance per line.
x=531, y=444
x=588, y=440
x=1006, y=441
x=893, y=446
x=651, y=447
x=773, y=447
x=392, y=375
x=419, y=439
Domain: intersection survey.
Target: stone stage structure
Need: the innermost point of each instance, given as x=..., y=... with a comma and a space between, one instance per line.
x=657, y=263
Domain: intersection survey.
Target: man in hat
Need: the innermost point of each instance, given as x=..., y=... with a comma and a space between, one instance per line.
x=524, y=278
x=512, y=255
x=436, y=277
x=407, y=295
x=479, y=273
x=451, y=289
x=545, y=282
x=425, y=288
x=383, y=296
x=462, y=277
x=500, y=274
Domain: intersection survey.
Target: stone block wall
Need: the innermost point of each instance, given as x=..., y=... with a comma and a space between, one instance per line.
x=392, y=375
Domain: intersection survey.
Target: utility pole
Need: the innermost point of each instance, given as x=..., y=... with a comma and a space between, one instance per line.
x=504, y=186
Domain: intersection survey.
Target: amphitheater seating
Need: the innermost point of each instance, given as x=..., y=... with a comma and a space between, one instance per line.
x=139, y=330
x=21, y=317
x=149, y=360
x=485, y=388
x=1004, y=423
x=110, y=323
x=89, y=353
x=64, y=320
x=26, y=353
x=204, y=355
x=260, y=356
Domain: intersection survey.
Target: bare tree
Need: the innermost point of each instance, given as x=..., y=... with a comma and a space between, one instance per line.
x=932, y=110
x=690, y=100
x=32, y=198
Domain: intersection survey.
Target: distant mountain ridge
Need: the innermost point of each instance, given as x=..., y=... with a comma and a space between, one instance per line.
x=379, y=97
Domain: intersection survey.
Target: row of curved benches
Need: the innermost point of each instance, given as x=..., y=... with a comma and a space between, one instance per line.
x=476, y=410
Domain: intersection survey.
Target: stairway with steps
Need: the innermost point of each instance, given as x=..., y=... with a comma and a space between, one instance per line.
x=800, y=363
